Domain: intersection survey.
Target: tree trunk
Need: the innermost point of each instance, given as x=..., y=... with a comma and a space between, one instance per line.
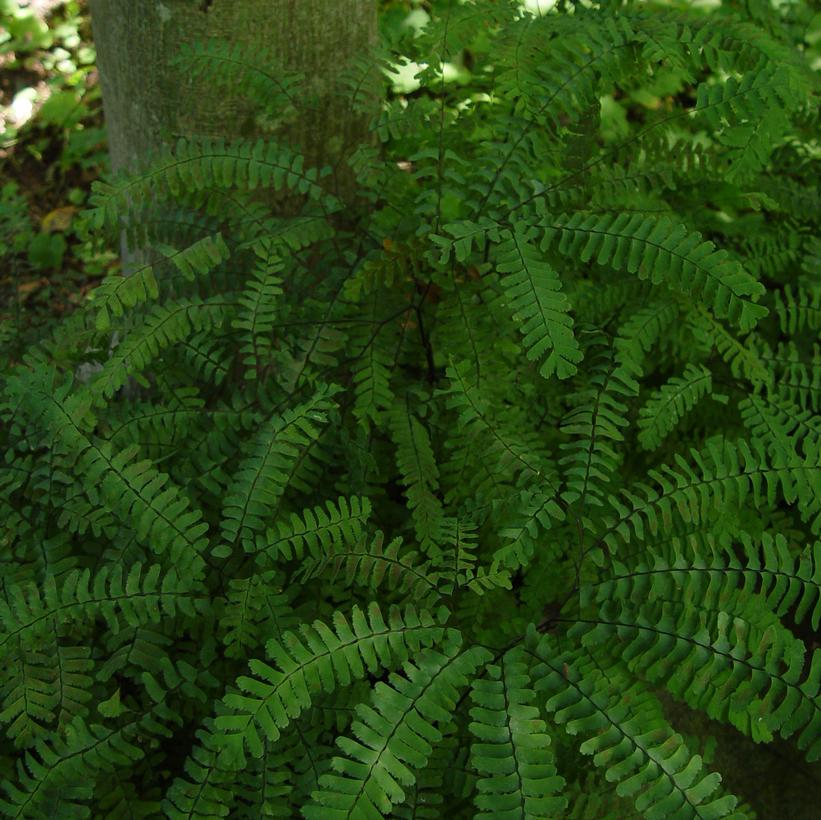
x=148, y=102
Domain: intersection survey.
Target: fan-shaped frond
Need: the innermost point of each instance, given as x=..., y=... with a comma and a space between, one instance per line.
x=507, y=359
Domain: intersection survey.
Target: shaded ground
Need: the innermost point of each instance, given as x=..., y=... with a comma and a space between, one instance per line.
x=52, y=146
x=774, y=778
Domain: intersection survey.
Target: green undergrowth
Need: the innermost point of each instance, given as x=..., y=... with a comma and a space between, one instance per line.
x=52, y=146
x=485, y=490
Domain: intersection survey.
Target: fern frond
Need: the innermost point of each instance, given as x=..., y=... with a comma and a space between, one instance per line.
x=316, y=530
x=117, y=293
x=697, y=657
x=139, y=495
x=267, y=789
x=542, y=311
x=424, y=800
x=257, y=312
x=377, y=352
x=621, y=725
x=594, y=799
x=796, y=380
x=596, y=418
x=165, y=325
x=262, y=476
x=641, y=331
x=320, y=659
x=417, y=466
x=63, y=771
x=43, y=690
x=373, y=564
x=798, y=310
x=256, y=610
x=482, y=437
x=394, y=408
x=661, y=251
x=533, y=513
x=134, y=598
x=512, y=747
x=724, y=475
x=556, y=68
x=781, y=425
x=671, y=402
x=746, y=357
x=207, y=356
x=208, y=793
x=784, y=581
x=257, y=75
x=210, y=163
x=767, y=87
x=395, y=736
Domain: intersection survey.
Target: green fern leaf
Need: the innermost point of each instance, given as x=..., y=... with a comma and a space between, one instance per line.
x=197, y=165
x=667, y=406
x=258, y=313
x=372, y=565
x=596, y=419
x=724, y=475
x=63, y=771
x=320, y=659
x=698, y=657
x=623, y=728
x=661, y=251
x=417, y=465
x=262, y=476
x=316, y=530
x=512, y=751
x=798, y=310
x=395, y=736
x=256, y=610
x=542, y=311
x=164, y=326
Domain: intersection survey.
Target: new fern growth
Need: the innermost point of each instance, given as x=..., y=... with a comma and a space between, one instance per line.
x=448, y=496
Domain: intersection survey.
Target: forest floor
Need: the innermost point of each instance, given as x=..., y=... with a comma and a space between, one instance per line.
x=52, y=147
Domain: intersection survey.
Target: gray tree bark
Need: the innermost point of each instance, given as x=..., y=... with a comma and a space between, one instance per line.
x=146, y=100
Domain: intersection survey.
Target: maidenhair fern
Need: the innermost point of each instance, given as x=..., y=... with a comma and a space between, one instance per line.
x=451, y=494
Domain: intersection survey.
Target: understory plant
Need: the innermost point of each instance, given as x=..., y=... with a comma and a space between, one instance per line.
x=443, y=494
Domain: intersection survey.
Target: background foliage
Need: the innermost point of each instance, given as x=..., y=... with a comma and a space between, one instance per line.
x=470, y=494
